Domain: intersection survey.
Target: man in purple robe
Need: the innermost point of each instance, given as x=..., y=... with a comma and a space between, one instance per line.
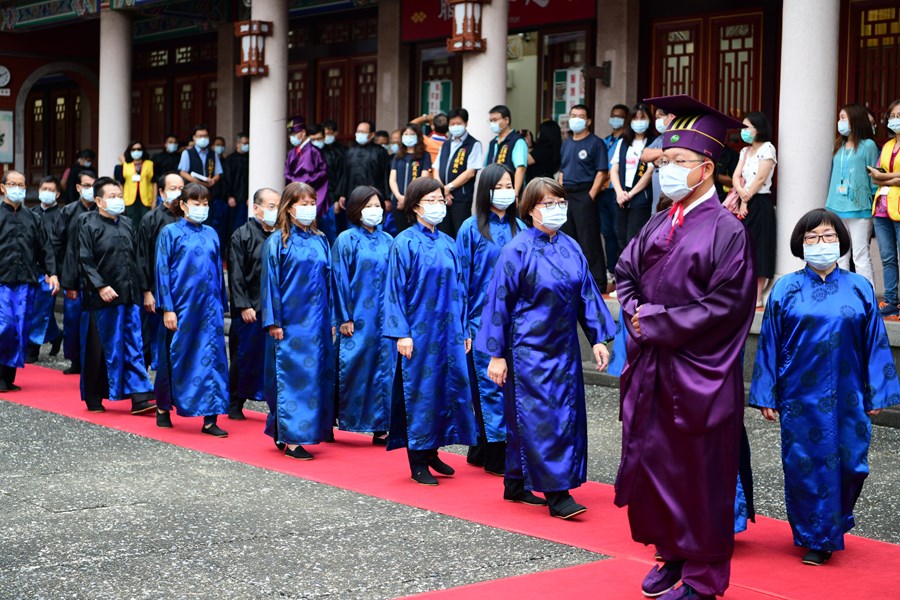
x=306, y=164
x=687, y=291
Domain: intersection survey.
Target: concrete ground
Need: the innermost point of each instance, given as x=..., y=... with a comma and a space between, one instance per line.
x=90, y=512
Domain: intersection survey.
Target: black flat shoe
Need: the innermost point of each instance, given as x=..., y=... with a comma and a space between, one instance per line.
x=32, y=354
x=299, y=453
x=379, y=440
x=280, y=445
x=163, y=419
x=567, y=509
x=55, y=346
x=440, y=466
x=95, y=406
x=74, y=369
x=424, y=477
x=9, y=387
x=144, y=406
x=525, y=498
x=214, y=430
x=237, y=415
x=816, y=558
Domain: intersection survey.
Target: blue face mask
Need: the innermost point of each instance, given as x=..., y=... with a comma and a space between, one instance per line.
x=115, y=206
x=495, y=127
x=673, y=181
x=202, y=142
x=616, y=122
x=661, y=126
x=295, y=140
x=393, y=148
x=747, y=136
x=270, y=216
x=219, y=150
x=245, y=148
x=457, y=131
x=318, y=144
x=577, y=124
x=137, y=154
x=843, y=127
x=47, y=197
x=640, y=125
x=197, y=214
x=15, y=194
x=329, y=139
x=172, y=196
x=87, y=194
x=822, y=256
x=171, y=148
x=894, y=125
x=362, y=138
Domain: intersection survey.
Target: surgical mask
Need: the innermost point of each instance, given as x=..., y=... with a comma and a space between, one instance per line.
x=393, y=148
x=171, y=148
x=137, y=154
x=372, y=216
x=640, y=125
x=673, y=181
x=501, y=199
x=295, y=140
x=15, y=194
x=457, y=131
x=87, y=194
x=822, y=256
x=577, y=124
x=434, y=213
x=495, y=127
x=47, y=197
x=172, y=196
x=329, y=139
x=318, y=144
x=115, y=206
x=219, y=150
x=245, y=148
x=616, y=122
x=661, y=125
x=87, y=164
x=197, y=214
x=553, y=218
x=408, y=140
x=362, y=138
x=894, y=125
x=747, y=136
x=843, y=127
x=202, y=143
x=269, y=216
x=305, y=214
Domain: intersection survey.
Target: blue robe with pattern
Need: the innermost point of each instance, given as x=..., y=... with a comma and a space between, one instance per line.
x=478, y=256
x=366, y=359
x=193, y=366
x=299, y=369
x=426, y=301
x=541, y=290
x=823, y=360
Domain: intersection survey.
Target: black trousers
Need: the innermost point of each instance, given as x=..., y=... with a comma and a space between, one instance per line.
x=631, y=219
x=8, y=374
x=93, y=369
x=582, y=224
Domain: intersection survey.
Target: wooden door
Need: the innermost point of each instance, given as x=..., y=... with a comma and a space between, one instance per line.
x=298, y=96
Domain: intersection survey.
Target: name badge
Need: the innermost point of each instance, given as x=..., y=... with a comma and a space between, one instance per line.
x=136, y=178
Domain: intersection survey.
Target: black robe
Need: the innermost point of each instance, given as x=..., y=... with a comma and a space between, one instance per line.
x=66, y=239
x=107, y=256
x=366, y=165
x=148, y=232
x=236, y=173
x=25, y=249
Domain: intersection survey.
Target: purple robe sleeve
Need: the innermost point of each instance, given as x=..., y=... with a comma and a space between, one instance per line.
x=883, y=389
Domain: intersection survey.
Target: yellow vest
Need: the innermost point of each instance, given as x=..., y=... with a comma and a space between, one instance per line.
x=129, y=190
x=893, y=195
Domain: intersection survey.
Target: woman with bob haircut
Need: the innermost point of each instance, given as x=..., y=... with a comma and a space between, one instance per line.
x=823, y=366
x=425, y=313
x=365, y=358
x=296, y=311
x=479, y=242
x=541, y=290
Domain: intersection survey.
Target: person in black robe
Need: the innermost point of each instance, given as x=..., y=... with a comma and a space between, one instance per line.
x=246, y=338
x=236, y=174
x=43, y=328
x=25, y=254
x=84, y=162
x=168, y=159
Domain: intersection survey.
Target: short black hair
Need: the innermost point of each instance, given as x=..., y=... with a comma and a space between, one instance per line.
x=217, y=138
x=5, y=177
x=199, y=127
x=85, y=173
x=161, y=180
x=369, y=123
x=51, y=179
x=382, y=133
x=330, y=124
x=258, y=195
x=358, y=199
x=172, y=135
x=501, y=110
x=621, y=107
x=87, y=153
x=440, y=123
x=763, y=129
x=460, y=113
x=102, y=183
x=813, y=219
x=240, y=135
x=314, y=129
x=583, y=107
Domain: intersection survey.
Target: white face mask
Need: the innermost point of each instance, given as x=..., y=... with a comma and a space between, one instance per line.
x=661, y=125
x=822, y=256
x=433, y=214
x=673, y=181
x=329, y=139
x=372, y=216
x=305, y=215
x=172, y=196
x=577, y=124
x=269, y=216
x=115, y=206
x=362, y=138
x=47, y=197
x=197, y=214
x=501, y=199
x=457, y=131
x=409, y=140
x=553, y=218
x=894, y=125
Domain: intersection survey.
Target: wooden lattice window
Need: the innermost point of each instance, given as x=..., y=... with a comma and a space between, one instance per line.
x=878, y=57
x=137, y=111
x=157, y=116
x=37, y=134
x=59, y=125
x=737, y=62
x=677, y=61
x=332, y=92
x=366, y=96
x=297, y=91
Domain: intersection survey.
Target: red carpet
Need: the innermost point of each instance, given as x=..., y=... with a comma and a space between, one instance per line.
x=766, y=564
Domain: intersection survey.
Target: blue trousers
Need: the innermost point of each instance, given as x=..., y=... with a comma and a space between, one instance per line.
x=72, y=330
x=15, y=310
x=43, y=320
x=111, y=338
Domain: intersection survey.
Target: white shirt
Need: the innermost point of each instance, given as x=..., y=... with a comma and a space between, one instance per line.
x=751, y=165
x=632, y=160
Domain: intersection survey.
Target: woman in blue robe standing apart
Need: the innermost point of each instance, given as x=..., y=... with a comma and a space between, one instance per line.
x=823, y=366
x=365, y=357
x=541, y=290
x=478, y=243
x=425, y=313
x=191, y=295
x=296, y=311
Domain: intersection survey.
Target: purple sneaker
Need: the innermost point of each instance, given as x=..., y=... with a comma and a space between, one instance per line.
x=686, y=592
x=661, y=579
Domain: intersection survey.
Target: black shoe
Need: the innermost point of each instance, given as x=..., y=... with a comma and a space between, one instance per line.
x=475, y=455
x=144, y=406
x=163, y=419
x=816, y=558
x=440, y=466
x=424, y=477
x=236, y=415
x=280, y=445
x=9, y=387
x=329, y=436
x=563, y=506
x=379, y=440
x=495, y=458
x=95, y=406
x=214, y=430
x=74, y=369
x=299, y=453
x=525, y=497
x=56, y=345
x=32, y=354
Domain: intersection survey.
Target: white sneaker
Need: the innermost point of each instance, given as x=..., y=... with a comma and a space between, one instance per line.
x=610, y=276
x=613, y=294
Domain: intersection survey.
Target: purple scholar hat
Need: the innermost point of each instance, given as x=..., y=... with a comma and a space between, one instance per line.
x=696, y=127
x=296, y=124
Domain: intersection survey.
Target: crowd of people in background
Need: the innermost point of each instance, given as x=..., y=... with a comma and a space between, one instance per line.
x=426, y=287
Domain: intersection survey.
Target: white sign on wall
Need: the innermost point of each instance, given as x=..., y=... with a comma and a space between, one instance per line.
x=6, y=136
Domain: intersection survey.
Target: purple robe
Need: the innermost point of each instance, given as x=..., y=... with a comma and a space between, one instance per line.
x=682, y=390
x=305, y=164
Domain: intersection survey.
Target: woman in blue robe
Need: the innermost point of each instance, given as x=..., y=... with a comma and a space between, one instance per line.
x=365, y=358
x=296, y=311
x=541, y=290
x=823, y=366
x=191, y=294
x=426, y=314
x=478, y=242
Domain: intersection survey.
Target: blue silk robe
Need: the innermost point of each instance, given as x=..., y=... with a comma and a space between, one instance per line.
x=299, y=369
x=431, y=398
x=540, y=291
x=193, y=366
x=823, y=360
x=44, y=327
x=478, y=256
x=16, y=301
x=366, y=359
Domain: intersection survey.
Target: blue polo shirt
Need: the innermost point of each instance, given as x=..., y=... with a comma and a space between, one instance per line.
x=582, y=159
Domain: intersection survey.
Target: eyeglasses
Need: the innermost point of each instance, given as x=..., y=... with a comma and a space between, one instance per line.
x=440, y=200
x=811, y=238
x=664, y=162
x=551, y=204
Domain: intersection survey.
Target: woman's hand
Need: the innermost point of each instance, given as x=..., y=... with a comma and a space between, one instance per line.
x=743, y=209
x=107, y=294
x=769, y=413
x=601, y=355
x=874, y=412
x=622, y=197
x=149, y=302
x=405, y=347
x=497, y=370
x=170, y=320
x=347, y=329
x=468, y=343
x=276, y=332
